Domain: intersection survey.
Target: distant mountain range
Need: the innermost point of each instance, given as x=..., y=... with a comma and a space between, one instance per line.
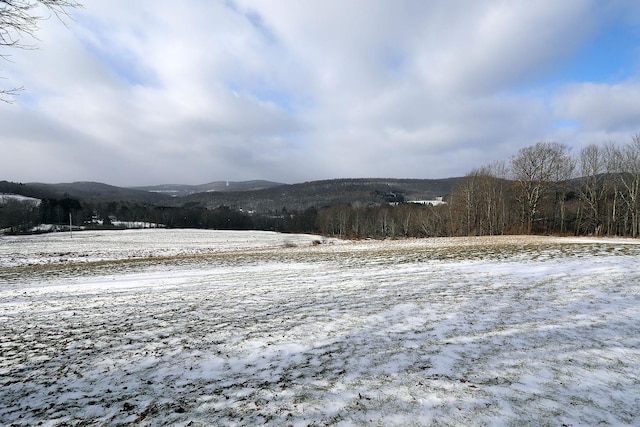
x=260, y=196
x=82, y=191
x=181, y=190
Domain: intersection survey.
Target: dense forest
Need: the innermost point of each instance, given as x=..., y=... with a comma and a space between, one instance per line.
x=543, y=189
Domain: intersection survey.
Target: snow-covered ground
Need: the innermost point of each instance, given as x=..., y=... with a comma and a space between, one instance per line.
x=165, y=327
x=92, y=246
x=4, y=198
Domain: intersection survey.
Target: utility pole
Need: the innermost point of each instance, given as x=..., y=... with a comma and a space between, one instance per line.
x=70, y=226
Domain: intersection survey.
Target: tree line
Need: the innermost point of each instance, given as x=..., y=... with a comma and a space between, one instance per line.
x=542, y=189
x=22, y=217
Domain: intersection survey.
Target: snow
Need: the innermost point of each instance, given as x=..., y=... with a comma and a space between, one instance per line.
x=242, y=328
x=93, y=246
x=5, y=198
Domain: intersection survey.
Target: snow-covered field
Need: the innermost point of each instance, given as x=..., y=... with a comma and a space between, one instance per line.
x=166, y=327
x=92, y=246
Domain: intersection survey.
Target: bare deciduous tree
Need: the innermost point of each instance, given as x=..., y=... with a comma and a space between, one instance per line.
x=19, y=23
x=479, y=202
x=630, y=180
x=592, y=188
x=537, y=169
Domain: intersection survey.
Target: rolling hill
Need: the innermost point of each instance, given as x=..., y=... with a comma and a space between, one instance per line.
x=365, y=191
x=181, y=190
x=259, y=196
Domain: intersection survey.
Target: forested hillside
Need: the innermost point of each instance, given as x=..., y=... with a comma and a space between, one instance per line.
x=297, y=197
x=273, y=206
x=543, y=189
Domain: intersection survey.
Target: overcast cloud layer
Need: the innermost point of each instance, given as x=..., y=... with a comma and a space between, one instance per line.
x=151, y=92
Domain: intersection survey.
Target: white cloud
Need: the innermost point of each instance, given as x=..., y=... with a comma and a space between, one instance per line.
x=602, y=106
x=292, y=91
x=503, y=44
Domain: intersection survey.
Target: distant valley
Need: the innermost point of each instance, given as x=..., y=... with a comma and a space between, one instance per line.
x=181, y=190
x=258, y=196
x=309, y=207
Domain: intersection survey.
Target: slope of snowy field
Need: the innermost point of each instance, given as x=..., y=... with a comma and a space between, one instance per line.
x=478, y=331
x=91, y=246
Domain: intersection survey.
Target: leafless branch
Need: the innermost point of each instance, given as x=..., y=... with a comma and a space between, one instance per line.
x=19, y=21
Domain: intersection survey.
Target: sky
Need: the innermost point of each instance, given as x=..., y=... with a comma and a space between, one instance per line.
x=155, y=91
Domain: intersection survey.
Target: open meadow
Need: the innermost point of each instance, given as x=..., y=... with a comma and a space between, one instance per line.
x=195, y=328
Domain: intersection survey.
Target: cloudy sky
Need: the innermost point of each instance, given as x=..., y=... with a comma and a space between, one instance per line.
x=156, y=91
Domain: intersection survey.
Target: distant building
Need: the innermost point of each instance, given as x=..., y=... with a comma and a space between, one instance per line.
x=435, y=202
